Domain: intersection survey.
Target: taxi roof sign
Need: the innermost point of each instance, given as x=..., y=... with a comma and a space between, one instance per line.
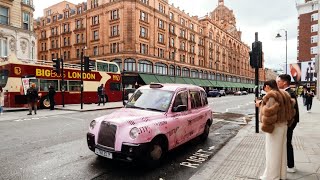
x=156, y=85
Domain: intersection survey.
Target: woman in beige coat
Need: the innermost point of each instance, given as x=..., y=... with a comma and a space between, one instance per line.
x=276, y=112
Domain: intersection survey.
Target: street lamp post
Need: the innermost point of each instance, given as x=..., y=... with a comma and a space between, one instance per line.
x=216, y=62
x=286, y=36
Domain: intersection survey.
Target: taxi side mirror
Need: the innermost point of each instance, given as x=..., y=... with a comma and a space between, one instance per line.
x=180, y=108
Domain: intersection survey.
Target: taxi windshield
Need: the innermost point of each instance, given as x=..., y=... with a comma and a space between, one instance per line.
x=3, y=77
x=151, y=99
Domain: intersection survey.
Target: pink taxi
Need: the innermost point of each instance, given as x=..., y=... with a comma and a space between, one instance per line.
x=156, y=119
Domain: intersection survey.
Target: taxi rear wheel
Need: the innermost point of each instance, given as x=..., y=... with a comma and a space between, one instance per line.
x=205, y=134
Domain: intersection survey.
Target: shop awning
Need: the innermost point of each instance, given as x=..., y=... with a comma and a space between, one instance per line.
x=207, y=83
x=164, y=79
x=197, y=82
x=188, y=81
x=149, y=78
x=178, y=80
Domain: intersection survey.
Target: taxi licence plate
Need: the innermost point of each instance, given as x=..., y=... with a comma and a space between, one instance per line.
x=103, y=153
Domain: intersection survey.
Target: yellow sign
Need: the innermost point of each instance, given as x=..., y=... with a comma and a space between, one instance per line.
x=116, y=77
x=69, y=74
x=17, y=70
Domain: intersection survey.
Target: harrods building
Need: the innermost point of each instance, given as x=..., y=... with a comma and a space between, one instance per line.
x=151, y=40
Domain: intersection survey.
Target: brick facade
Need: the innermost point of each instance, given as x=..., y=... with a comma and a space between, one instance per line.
x=131, y=31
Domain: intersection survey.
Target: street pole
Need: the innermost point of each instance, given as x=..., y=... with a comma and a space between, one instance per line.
x=286, y=52
x=216, y=73
x=257, y=89
x=62, y=81
x=122, y=82
x=174, y=64
x=81, y=76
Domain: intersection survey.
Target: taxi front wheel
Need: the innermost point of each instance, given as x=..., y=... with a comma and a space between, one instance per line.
x=156, y=152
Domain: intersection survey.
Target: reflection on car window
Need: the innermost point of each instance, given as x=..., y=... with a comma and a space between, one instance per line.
x=195, y=99
x=204, y=98
x=181, y=99
x=152, y=99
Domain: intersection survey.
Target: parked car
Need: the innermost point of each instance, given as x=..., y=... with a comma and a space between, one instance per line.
x=244, y=93
x=156, y=119
x=214, y=93
x=229, y=92
x=222, y=93
x=237, y=93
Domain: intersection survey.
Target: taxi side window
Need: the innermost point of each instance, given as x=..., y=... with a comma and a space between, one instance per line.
x=195, y=99
x=181, y=99
x=204, y=98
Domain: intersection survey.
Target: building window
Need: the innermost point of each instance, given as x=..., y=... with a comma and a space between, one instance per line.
x=143, y=32
x=79, y=10
x=183, y=46
x=160, y=53
x=314, y=39
x=115, y=14
x=171, y=70
x=95, y=20
x=78, y=53
x=160, y=38
x=145, y=1
x=201, y=30
x=66, y=14
x=192, y=38
x=182, y=33
x=95, y=51
x=191, y=26
x=66, y=28
x=95, y=35
x=160, y=24
x=192, y=48
x=314, y=17
x=143, y=48
x=160, y=68
x=171, y=16
x=115, y=30
x=182, y=22
x=114, y=47
x=162, y=8
x=78, y=24
x=171, y=29
x=172, y=42
x=143, y=16
x=314, y=28
x=172, y=55
x=26, y=20
x=194, y=73
x=145, y=66
x=130, y=65
x=94, y=3
x=3, y=47
x=78, y=38
x=185, y=72
x=314, y=50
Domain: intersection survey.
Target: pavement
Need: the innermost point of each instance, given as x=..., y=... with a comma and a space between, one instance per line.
x=243, y=157
x=21, y=113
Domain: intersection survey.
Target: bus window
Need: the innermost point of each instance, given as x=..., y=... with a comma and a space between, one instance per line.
x=115, y=86
x=3, y=77
x=74, y=86
x=102, y=66
x=113, y=68
x=44, y=84
x=65, y=85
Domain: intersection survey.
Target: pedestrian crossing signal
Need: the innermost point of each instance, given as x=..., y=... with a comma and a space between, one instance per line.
x=89, y=65
x=56, y=65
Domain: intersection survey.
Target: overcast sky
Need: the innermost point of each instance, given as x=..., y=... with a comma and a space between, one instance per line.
x=266, y=17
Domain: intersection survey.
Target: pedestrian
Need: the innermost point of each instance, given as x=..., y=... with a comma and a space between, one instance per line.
x=1, y=100
x=276, y=109
x=303, y=95
x=32, y=97
x=309, y=98
x=51, y=94
x=283, y=82
x=101, y=92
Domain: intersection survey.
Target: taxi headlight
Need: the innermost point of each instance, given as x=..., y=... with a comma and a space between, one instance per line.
x=134, y=132
x=93, y=124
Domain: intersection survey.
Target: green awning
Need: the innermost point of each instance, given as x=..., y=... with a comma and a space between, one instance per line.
x=215, y=83
x=178, y=80
x=149, y=78
x=164, y=79
x=198, y=82
x=188, y=81
x=207, y=83
x=233, y=85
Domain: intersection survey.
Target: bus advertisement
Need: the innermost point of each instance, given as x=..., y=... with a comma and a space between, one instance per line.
x=17, y=74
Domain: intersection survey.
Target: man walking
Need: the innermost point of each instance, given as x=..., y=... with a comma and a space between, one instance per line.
x=32, y=97
x=51, y=94
x=101, y=93
x=283, y=82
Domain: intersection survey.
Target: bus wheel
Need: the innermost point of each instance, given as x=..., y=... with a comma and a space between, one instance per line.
x=45, y=103
x=106, y=98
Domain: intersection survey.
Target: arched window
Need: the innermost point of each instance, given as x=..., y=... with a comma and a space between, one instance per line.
x=145, y=66
x=171, y=70
x=160, y=68
x=185, y=72
x=194, y=73
x=130, y=65
x=209, y=76
x=178, y=71
x=200, y=74
x=119, y=62
x=205, y=75
x=218, y=77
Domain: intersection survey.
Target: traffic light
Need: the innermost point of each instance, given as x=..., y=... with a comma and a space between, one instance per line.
x=56, y=65
x=88, y=64
x=256, y=55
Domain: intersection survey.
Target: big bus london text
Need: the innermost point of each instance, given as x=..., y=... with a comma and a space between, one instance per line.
x=13, y=70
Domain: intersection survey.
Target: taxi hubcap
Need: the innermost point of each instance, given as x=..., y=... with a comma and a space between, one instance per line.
x=156, y=152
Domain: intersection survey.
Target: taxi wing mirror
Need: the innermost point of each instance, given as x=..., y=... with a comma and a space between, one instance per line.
x=180, y=108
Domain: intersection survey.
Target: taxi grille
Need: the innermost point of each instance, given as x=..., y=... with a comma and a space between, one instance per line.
x=107, y=134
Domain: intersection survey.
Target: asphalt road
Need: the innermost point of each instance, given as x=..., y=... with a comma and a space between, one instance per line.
x=55, y=147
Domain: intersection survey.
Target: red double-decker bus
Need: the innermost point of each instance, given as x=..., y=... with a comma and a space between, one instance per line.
x=17, y=74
